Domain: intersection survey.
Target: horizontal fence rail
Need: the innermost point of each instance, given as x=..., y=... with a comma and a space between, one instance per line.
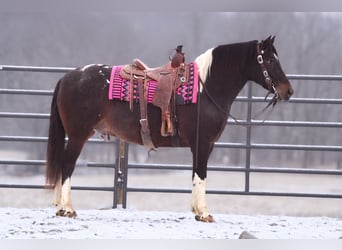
x=122, y=165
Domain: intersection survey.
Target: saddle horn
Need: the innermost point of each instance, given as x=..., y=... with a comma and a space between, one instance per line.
x=179, y=49
x=178, y=58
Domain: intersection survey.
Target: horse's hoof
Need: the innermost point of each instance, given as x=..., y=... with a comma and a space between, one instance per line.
x=65, y=213
x=208, y=219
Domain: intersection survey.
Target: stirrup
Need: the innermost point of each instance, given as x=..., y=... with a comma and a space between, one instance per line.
x=167, y=129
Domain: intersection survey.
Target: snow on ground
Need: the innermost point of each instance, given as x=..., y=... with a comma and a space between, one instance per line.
x=26, y=223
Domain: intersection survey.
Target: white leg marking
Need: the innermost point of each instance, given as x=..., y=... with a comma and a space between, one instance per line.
x=57, y=193
x=198, y=202
x=66, y=196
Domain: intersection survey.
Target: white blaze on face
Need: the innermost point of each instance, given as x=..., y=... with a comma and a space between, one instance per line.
x=204, y=63
x=66, y=196
x=198, y=201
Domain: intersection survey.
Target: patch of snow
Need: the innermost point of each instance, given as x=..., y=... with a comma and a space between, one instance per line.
x=132, y=224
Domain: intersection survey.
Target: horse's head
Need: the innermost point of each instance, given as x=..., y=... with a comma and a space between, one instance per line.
x=271, y=75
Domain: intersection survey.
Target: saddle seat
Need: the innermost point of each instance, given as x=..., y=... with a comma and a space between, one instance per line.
x=140, y=64
x=139, y=69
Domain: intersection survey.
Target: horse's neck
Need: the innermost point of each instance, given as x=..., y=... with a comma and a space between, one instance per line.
x=230, y=76
x=224, y=96
x=226, y=89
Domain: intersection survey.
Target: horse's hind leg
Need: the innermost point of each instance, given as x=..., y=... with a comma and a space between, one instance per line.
x=63, y=191
x=57, y=193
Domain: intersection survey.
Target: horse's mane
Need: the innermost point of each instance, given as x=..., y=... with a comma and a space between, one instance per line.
x=223, y=56
x=204, y=63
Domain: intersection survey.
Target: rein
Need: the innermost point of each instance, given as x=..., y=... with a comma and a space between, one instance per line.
x=271, y=102
x=212, y=99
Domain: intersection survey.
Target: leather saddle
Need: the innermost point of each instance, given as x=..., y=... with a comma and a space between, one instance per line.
x=169, y=77
x=140, y=69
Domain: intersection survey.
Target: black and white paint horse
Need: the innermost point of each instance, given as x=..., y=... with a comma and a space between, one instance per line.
x=80, y=106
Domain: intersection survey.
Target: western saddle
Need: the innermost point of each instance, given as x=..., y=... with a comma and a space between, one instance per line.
x=169, y=77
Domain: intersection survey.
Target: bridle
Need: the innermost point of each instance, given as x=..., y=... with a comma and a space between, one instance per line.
x=269, y=82
x=268, y=79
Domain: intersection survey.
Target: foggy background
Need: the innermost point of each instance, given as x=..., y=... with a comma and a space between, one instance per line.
x=307, y=43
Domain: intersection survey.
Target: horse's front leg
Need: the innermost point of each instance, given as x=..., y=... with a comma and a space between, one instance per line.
x=198, y=200
x=199, y=181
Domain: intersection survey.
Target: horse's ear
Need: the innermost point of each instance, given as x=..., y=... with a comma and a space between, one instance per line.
x=268, y=42
x=268, y=39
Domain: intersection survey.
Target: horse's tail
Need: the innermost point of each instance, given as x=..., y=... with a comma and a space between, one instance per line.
x=55, y=145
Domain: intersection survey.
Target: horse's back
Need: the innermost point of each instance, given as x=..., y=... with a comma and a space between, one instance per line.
x=82, y=96
x=84, y=81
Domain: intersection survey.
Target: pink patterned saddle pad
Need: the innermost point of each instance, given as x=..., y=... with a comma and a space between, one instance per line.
x=119, y=88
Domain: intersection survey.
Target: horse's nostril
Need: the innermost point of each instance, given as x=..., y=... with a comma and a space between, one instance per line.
x=290, y=92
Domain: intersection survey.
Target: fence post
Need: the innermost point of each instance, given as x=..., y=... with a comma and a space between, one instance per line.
x=248, y=135
x=120, y=175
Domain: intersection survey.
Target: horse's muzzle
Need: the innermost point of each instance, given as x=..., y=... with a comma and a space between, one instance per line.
x=284, y=91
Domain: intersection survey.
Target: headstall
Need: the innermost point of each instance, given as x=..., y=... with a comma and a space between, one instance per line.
x=268, y=79
x=265, y=73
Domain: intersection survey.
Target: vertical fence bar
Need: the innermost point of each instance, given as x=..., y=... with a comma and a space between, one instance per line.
x=124, y=169
x=248, y=136
x=116, y=175
x=120, y=175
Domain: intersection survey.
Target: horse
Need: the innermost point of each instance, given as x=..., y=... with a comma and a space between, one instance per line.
x=80, y=106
